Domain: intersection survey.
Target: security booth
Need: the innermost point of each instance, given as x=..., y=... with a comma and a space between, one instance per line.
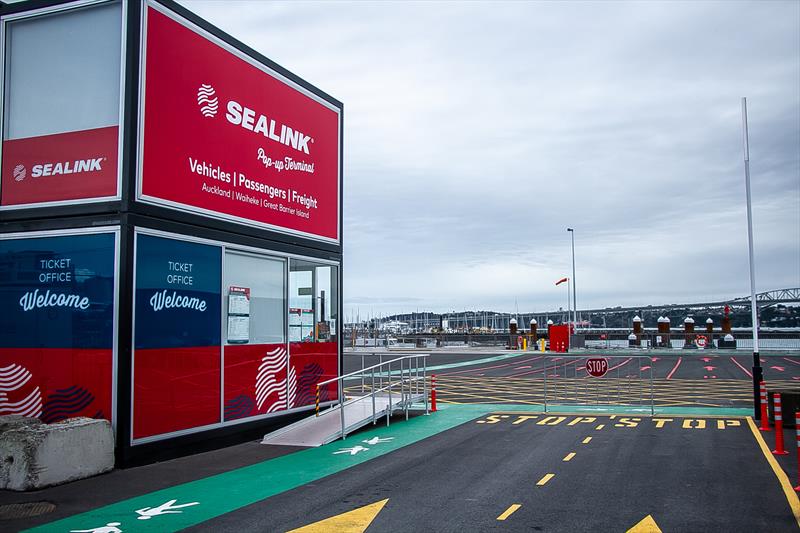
x=170, y=242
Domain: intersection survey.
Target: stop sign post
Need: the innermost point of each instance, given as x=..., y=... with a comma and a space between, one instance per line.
x=597, y=366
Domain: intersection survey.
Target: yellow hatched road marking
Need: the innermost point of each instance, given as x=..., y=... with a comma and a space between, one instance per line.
x=545, y=479
x=508, y=512
x=586, y=440
x=569, y=456
x=601, y=426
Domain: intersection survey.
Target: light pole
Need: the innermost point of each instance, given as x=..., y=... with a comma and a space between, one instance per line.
x=757, y=370
x=574, y=298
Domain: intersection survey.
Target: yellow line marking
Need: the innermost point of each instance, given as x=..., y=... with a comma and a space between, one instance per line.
x=545, y=479
x=601, y=426
x=586, y=440
x=791, y=495
x=508, y=512
x=569, y=456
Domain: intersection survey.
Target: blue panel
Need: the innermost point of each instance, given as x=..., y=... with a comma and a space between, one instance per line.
x=178, y=302
x=57, y=292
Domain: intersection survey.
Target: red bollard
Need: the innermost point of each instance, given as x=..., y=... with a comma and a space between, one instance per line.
x=797, y=429
x=778, y=427
x=433, y=393
x=764, y=414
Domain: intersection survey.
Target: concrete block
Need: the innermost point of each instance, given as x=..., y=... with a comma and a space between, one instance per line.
x=34, y=455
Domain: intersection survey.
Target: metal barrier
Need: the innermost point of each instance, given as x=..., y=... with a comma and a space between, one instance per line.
x=391, y=385
x=627, y=380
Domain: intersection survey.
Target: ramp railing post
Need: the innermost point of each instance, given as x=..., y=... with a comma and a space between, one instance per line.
x=425, y=383
x=408, y=387
x=341, y=405
x=362, y=373
x=373, y=396
x=389, y=409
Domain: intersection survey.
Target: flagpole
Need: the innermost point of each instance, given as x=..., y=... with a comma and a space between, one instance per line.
x=569, y=305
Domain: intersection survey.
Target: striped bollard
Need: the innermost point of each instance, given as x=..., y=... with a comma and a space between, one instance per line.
x=778, y=426
x=317, y=404
x=433, y=393
x=797, y=429
x=764, y=413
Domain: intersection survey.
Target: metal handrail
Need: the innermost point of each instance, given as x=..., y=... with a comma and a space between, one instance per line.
x=369, y=368
x=412, y=377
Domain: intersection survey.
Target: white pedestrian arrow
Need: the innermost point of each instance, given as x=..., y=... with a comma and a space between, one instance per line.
x=377, y=440
x=147, y=513
x=352, y=451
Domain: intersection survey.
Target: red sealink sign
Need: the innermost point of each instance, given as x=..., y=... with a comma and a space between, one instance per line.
x=227, y=138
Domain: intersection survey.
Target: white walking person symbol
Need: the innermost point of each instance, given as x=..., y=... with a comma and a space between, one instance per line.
x=147, y=513
x=377, y=440
x=111, y=527
x=352, y=451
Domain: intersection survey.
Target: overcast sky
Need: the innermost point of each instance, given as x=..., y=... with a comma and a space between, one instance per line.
x=476, y=133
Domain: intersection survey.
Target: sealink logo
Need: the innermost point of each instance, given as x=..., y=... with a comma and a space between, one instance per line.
x=19, y=173
x=207, y=100
x=250, y=119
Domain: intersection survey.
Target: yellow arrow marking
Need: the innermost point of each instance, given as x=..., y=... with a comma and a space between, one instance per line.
x=647, y=525
x=355, y=521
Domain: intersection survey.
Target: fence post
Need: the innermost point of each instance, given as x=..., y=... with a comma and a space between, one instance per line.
x=433, y=393
x=797, y=430
x=764, y=413
x=544, y=360
x=778, y=426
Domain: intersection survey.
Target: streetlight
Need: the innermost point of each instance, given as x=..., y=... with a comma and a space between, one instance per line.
x=574, y=298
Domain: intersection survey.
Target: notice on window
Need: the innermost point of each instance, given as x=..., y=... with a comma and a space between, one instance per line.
x=301, y=325
x=238, y=315
x=238, y=329
x=239, y=301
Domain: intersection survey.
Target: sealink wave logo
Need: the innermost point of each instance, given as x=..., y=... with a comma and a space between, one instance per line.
x=19, y=173
x=207, y=100
x=13, y=400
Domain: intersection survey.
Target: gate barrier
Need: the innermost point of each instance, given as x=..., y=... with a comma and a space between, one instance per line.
x=628, y=380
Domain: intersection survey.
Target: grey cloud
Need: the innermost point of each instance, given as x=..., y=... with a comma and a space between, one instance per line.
x=477, y=132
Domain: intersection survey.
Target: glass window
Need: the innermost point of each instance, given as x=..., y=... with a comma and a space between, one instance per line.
x=313, y=328
x=255, y=303
x=61, y=106
x=57, y=326
x=254, y=322
x=78, y=52
x=176, y=365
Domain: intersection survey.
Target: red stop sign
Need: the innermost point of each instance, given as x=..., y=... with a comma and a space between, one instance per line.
x=597, y=367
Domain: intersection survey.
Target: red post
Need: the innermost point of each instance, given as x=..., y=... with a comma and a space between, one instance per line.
x=797, y=429
x=778, y=426
x=764, y=413
x=433, y=393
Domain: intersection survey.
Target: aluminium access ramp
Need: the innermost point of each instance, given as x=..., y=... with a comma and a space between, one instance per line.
x=389, y=390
